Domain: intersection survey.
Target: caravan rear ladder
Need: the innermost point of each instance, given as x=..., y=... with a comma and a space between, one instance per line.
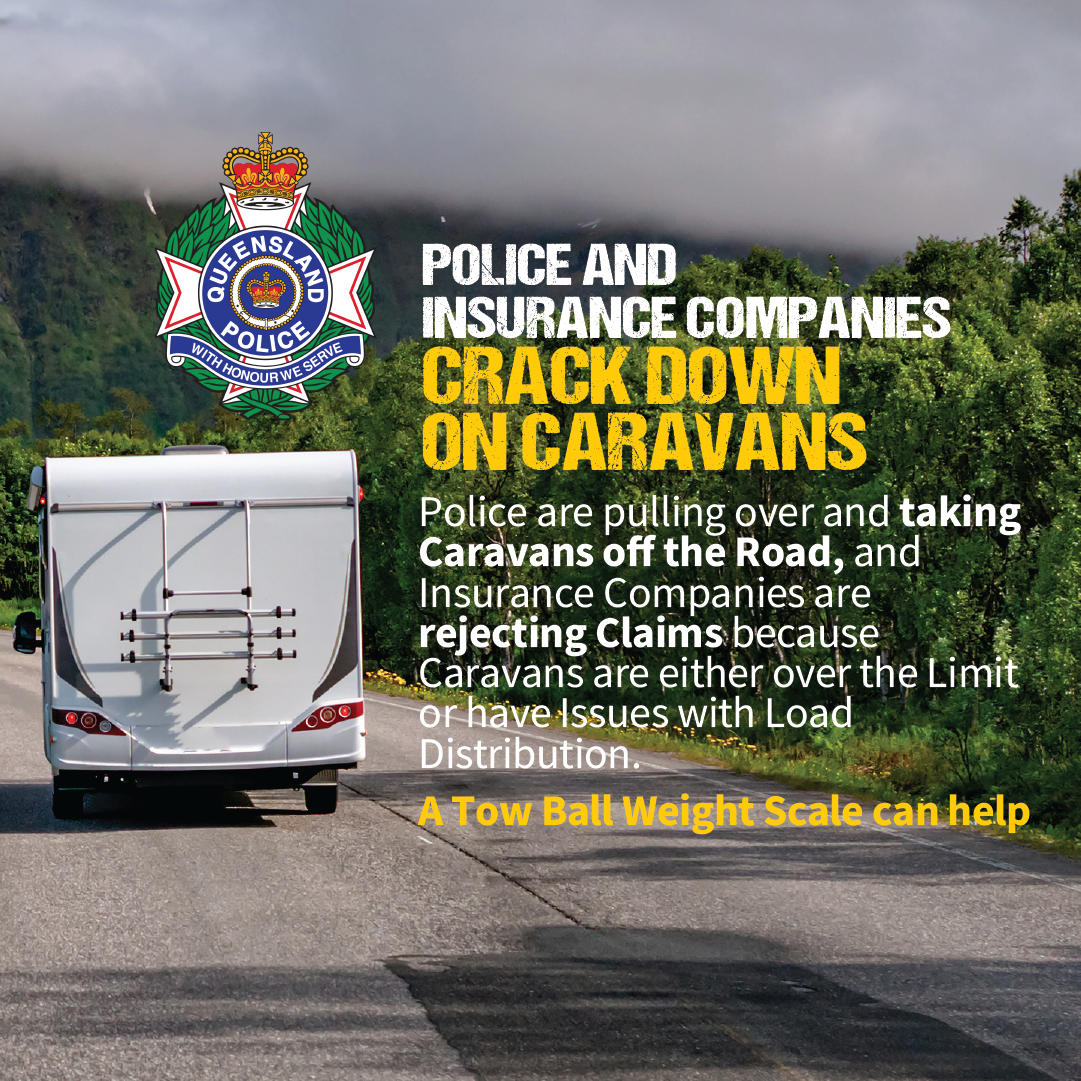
x=167, y=614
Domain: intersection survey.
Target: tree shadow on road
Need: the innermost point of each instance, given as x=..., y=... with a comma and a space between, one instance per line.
x=215, y=1022
x=657, y=852
x=646, y=1004
x=622, y=1004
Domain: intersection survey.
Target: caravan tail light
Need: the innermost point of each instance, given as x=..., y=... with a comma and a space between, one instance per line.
x=326, y=716
x=93, y=724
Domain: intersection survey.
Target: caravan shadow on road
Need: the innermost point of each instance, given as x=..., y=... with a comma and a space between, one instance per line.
x=26, y=807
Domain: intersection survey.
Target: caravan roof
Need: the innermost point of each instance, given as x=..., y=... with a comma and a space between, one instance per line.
x=200, y=476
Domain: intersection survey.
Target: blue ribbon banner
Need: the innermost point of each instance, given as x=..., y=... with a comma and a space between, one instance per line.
x=348, y=347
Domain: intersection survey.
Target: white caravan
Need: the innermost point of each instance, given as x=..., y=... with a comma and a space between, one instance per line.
x=200, y=622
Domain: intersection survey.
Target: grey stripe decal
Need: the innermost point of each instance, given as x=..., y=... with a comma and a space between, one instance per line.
x=346, y=659
x=68, y=667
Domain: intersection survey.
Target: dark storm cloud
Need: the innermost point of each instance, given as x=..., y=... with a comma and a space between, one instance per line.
x=839, y=122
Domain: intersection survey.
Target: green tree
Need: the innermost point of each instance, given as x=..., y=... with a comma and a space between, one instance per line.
x=1024, y=223
x=60, y=420
x=18, y=526
x=128, y=415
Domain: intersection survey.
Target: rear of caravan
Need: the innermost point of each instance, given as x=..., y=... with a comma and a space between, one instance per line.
x=201, y=622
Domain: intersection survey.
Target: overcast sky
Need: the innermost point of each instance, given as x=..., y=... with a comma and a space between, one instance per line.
x=831, y=122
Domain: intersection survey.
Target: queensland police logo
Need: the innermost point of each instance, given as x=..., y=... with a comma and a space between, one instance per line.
x=271, y=287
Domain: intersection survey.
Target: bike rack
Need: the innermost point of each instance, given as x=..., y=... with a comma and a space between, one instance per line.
x=167, y=614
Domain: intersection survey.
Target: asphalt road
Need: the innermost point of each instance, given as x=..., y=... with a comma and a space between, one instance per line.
x=178, y=938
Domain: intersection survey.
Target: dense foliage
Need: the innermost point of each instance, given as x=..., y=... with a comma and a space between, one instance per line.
x=991, y=411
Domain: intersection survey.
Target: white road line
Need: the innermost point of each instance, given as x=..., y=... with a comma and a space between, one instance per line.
x=998, y=864
x=919, y=840
x=973, y=856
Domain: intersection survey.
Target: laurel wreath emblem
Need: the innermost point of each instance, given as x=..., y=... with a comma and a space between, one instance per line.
x=202, y=231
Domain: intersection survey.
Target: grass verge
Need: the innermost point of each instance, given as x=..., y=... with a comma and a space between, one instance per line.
x=10, y=609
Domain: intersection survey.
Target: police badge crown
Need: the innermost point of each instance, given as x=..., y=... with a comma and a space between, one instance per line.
x=271, y=287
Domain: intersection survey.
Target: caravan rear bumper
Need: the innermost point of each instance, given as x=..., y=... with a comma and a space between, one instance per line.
x=208, y=745
x=241, y=780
